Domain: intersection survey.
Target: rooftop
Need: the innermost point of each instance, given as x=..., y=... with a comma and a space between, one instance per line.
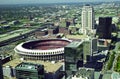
x=111, y=75
x=107, y=75
x=74, y=44
x=30, y=66
x=84, y=72
x=76, y=36
x=48, y=66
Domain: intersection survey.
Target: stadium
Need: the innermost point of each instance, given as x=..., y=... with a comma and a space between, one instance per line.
x=48, y=49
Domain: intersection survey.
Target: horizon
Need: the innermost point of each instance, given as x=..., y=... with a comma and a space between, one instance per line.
x=4, y=2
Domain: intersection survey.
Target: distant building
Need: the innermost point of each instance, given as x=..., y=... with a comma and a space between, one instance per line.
x=29, y=71
x=15, y=22
x=5, y=59
x=68, y=23
x=87, y=19
x=35, y=19
x=30, y=17
x=73, y=57
x=53, y=30
x=3, y=22
x=63, y=22
x=104, y=28
x=5, y=27
x=73, y=29
x=74, y=21
x=64, y=30
x=41, y=33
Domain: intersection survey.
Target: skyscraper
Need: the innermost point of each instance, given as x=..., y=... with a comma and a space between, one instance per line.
x=89, y=47
x=73, y=57
x=87, y=19
x=104, y=29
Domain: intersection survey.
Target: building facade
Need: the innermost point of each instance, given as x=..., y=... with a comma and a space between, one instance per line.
x=29, y=71
x=87, y=19
x=89, y=47
x=105, y=27
x=73, y=57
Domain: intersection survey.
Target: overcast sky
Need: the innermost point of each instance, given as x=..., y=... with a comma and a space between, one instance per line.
x=45, y=1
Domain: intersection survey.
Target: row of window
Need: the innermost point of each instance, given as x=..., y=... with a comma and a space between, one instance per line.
x=40, y=53
x=55, y=57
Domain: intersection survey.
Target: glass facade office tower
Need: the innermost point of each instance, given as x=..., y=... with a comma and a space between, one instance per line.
x=87, y=19
x=105, y=27
x=73, y=57
x=89, y=47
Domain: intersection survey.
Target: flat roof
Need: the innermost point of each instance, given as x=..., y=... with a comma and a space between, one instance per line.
x=96, y=75
x=108, y=40
x=29, y=66
x=74, y=44
x=76, y=36
x=48, y=66
x=106, y=76
x=85, y=72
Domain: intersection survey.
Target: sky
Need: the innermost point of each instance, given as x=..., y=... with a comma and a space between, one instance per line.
x=45, y=1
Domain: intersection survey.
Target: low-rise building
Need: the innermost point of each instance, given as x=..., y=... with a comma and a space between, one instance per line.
x=84, y=73
x=111, y=75
x=29, y=71
x=52, y=70
x=103, y=44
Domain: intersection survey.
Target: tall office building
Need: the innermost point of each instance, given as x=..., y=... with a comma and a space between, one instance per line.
x=87, y=19
x=73, y=57
x=104, y=29
x=89, y=47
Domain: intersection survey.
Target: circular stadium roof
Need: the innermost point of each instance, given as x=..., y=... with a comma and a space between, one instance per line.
x=40, y=47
